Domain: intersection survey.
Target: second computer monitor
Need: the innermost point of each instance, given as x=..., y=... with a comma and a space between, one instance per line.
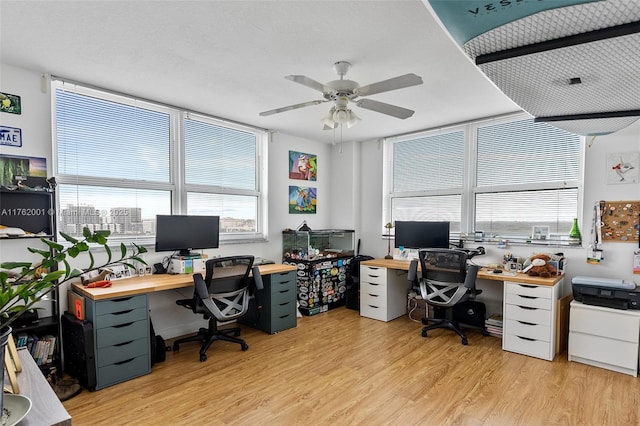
x=417, y=235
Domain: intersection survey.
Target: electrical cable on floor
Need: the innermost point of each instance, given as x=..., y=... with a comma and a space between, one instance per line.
x=410, y=308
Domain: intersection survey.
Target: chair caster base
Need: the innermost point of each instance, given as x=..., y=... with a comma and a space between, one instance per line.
x=244, y=347
x=203, y=357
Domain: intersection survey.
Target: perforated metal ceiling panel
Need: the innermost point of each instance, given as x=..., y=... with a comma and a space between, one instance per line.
x=577, y=67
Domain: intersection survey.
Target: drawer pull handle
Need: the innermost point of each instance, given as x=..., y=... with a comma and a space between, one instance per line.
x=375, y=307
x=527, y=308
x=123, y=325
x=122, y=299
x=284, y=303
x=284, y=291
x=526, y=338
x=528, y=285
x=123, y=362
x=373, y=284
x=283, y=316
x=123, y=343
x=526, y=323
x=527, y=297
x=374, y=276
x=122, y=312
x=374, y=295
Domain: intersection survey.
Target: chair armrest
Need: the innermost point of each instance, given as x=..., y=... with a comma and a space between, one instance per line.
x=257, y=278
x=413, y=270
x=472, y=273
x=201, y=286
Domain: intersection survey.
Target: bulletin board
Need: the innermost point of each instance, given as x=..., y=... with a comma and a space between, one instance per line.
x=620, y=221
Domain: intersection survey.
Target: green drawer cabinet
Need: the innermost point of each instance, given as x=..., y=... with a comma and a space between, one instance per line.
x=277, y=311
x=121, y=335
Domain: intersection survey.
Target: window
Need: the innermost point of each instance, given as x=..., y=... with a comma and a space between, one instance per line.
x=502, y=177
x=122, y=161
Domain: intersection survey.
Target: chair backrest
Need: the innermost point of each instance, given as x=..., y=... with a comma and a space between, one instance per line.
x=445, y=279
x=225, y=290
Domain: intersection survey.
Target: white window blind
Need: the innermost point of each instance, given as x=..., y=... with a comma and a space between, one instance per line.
x=527, y=175
x=503, y=177
x=428, y=177
x=429, y=163
x=220, y=174
x=118, y=165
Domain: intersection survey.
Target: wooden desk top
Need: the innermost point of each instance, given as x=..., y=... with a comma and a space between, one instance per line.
x=158, y=282
x=484, y=273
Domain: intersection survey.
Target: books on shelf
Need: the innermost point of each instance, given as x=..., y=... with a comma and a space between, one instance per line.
x=41, y=348
x=494, y=325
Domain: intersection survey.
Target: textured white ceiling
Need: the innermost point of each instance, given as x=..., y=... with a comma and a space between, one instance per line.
x=229, y=58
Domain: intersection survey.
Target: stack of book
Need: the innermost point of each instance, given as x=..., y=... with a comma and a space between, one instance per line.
x=494, y=325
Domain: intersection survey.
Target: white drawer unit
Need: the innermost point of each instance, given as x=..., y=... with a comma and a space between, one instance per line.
x=530, y=317
x=604, y=337
x=383, y=292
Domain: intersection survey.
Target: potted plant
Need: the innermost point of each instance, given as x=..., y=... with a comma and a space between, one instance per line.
x=24, y=284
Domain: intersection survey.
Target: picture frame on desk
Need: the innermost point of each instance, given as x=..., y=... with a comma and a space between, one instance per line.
x=540, y=233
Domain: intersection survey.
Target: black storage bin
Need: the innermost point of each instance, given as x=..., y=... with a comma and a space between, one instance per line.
x=79, y=358
x=353, y=282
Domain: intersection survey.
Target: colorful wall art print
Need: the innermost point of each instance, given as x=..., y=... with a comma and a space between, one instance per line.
x=302, y=200
x=303, y=166
x=13, y=165
x=10, y=103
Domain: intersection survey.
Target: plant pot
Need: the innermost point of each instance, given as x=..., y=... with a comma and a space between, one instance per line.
x=4, y=339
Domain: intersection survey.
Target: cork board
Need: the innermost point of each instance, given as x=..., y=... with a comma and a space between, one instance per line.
x=620, y=221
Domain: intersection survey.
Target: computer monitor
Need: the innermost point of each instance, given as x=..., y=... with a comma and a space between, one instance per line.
x=184, y=233
x=417, y=235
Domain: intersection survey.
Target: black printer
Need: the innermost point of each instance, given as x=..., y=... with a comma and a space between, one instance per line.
x=607, y=292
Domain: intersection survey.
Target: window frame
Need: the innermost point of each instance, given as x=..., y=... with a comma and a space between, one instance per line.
x=469, y=190
x=176, y=185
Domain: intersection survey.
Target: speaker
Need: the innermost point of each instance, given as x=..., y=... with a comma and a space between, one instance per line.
x=79, y=357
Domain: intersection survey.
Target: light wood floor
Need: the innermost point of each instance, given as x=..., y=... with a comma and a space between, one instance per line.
x=339, y=368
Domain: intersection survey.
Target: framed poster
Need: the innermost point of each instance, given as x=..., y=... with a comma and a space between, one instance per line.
x=12, y=166
x=302, y=200
x=540, y=232
x=623, y=167
x=303, y=166
x=10, y=103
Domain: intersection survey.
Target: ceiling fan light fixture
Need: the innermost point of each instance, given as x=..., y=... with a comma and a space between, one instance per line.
x=341, y=116
x=353, y=119
x=328, y=120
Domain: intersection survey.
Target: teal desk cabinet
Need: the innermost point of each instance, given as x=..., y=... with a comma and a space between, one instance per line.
x=121, y=338
x=277, y=304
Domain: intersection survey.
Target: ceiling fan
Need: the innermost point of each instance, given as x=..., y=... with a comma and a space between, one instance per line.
x=342, y=91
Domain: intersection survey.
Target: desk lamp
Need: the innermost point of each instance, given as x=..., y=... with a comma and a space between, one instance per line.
x=389, y=225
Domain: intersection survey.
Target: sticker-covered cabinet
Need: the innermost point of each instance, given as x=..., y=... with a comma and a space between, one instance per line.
x=321, y=258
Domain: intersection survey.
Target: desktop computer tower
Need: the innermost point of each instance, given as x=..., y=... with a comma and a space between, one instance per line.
x=79, y=357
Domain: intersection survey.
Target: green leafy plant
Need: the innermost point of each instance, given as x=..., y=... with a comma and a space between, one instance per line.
x=22, y=290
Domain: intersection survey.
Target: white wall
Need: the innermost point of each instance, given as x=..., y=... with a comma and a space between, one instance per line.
x=169, y=319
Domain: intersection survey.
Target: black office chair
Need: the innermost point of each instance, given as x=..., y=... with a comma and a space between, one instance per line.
x=445, y=281
x=223, y=295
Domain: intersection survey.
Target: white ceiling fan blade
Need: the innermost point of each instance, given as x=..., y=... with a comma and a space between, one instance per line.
x=306, y=81
x=290, y=107
x=384, y=108
x=400, y=82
